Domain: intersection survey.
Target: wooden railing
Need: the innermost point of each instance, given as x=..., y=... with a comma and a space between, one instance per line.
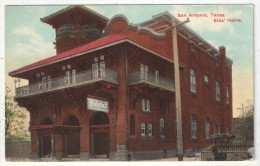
x=151, y=79
x=81, y=78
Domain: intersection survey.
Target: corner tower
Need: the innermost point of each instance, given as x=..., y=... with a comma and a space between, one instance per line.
x=75, y=26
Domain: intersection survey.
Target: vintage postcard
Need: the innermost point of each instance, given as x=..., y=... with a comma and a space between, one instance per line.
x=135, y=82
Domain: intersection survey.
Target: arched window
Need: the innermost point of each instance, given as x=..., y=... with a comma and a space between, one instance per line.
x=132, y=125
x=71, y=121
x=46, y=121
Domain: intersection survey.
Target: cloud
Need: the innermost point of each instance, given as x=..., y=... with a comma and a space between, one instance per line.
x=207, y=23
x=30, y=49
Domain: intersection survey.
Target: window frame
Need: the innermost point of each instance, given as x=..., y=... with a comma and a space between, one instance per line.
x=206, y=79
x=162, y=127
x=193, y=84
x=227, y=95
x=217, y=91
x=207, y=128
x=146, y=105
x=150, y=129
x=143, y=132
x=194, y=127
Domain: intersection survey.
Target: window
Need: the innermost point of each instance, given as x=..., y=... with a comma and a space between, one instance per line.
x=144, y=70
x=150, y=129
x=193, y=127
x=73, y=72
x=193, y=81
x=67, y=78
x=132, y=125
x=217, y=91
x=142, y=129
x=227, y=95
x=162, y=127
x=206, y=79
x=157, y=76
x=98, y=69
x=207, y=129
x=65, y=28
x=146, y=105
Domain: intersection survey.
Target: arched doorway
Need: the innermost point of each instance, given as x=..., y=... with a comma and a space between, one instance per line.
x=99, y=135
x=45, y=139
x=71, y=137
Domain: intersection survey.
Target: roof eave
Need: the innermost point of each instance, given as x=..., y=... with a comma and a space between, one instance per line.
x=52, y=16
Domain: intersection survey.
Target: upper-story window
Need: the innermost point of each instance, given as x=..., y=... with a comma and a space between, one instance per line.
x=157, y=75
x=193, y=81
x=144, y=72
x=217, y=91
x=193, y=127
x=70, y=74
x=65, y=28
x=162, y=132
x=98, y=67
x=146, y=105
x=227, y=95
x=142, y=129
x=91, y=29
x=150, y=129
x=207, y=129
x=206, y=79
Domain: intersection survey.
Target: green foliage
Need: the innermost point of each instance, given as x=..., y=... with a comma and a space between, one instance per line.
x=15, y=127
x=248, y=125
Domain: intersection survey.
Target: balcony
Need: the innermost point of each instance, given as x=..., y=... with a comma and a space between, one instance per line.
x=75, y=80
x=151, y=79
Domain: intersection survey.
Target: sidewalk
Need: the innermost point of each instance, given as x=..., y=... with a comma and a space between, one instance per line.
x=9, y=159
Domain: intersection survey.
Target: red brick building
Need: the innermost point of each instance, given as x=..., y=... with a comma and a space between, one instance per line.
x=109, y=92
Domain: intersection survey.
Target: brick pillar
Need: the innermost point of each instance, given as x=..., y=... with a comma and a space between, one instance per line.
x=58, y=145
x=121, y=131
x=84, y=142
x=34, y=145
x=226, y=114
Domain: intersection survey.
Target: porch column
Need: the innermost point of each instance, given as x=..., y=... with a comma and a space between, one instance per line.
x=121, y=130
x=57, y=143
x=34, y=145
x=84, y=142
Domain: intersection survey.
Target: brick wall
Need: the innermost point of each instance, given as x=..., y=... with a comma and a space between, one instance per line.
x=17, y=149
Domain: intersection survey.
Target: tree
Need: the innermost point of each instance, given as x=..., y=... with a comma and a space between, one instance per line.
x=248, y=128
x=247, y=122
x=15, y=127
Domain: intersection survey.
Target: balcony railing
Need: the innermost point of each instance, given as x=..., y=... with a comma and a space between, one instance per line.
x=151, y=79
x=82, y=78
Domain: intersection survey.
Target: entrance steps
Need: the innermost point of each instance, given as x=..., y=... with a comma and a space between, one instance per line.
x=100, y=157
x=71, y=158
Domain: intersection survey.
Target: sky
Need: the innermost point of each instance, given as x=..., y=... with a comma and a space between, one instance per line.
x=28, y=40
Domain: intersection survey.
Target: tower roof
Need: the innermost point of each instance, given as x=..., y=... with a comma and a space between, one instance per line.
x=54, y=18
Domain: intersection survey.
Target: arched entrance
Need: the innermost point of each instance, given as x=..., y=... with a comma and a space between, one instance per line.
x=45, y=140
x=99, y=135
x=71, y=137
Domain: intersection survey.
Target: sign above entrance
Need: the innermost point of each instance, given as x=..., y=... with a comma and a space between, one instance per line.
x=97, y=104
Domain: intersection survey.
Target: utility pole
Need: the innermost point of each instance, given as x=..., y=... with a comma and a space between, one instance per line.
x=177, y=90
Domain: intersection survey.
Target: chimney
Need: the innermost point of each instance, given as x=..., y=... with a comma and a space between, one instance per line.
x=222, y=52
